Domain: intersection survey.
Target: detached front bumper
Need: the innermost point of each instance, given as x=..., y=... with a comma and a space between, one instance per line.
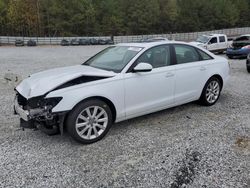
x=39, y=118
x=25, y=119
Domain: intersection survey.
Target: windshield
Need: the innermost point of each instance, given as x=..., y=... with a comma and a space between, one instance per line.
x=203, y=39
x=114, y=58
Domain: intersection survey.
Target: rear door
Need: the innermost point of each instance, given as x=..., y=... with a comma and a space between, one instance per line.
x=190, y=73
x=222, y=43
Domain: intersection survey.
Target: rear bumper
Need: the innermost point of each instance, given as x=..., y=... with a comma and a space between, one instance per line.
x=239, y=53
x=19, y=44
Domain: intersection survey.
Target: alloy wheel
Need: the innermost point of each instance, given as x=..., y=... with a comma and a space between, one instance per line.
x=212, y=91
x=91, y=122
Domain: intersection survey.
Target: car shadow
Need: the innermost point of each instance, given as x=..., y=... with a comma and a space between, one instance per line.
x=121, y=128
x=156, y=115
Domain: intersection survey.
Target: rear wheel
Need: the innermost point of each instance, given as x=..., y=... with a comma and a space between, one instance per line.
x=221, y=52
x=89, y=121
x=248, y=67
x=211, y=92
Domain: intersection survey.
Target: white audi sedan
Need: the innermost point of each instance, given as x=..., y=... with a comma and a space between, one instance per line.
x=121, y=82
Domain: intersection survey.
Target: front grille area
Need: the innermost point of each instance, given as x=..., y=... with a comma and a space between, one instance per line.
x=35, y=102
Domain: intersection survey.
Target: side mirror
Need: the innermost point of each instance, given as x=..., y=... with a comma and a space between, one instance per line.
x=143, y=67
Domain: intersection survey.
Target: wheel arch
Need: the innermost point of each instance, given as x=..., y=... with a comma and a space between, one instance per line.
x=219, y=78
x=216, y=76
x=104, y=99
x=201, y=98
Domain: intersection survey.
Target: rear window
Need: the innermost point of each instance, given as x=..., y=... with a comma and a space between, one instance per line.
x=204, y=56
x=243, y=38
x=186, y=54
x=222, y=39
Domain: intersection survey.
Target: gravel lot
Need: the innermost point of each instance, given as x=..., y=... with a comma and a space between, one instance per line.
x=186, y=146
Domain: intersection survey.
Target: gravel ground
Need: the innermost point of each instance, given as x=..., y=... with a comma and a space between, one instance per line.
x=186, y=146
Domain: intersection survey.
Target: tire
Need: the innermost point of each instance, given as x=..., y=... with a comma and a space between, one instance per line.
x=248, y=66
x=83, y=123
x=213, y=92
x=248, y=69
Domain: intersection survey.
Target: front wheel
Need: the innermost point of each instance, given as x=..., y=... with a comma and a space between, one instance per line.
x=211, y=92
x=89, y=121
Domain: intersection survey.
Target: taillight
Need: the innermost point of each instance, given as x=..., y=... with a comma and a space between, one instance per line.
x=246, y=47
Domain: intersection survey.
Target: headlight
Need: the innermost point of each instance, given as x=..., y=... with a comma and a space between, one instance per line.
x=41, y=102
x=50, y=103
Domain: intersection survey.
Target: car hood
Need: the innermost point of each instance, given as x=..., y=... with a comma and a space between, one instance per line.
x=240, y=44
x=197, y=43
x=43, y=82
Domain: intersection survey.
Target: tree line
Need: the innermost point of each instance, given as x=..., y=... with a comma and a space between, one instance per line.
x=119, y=17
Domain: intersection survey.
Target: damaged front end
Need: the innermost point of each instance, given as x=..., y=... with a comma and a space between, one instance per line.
x=36, y=113
x=36, y=110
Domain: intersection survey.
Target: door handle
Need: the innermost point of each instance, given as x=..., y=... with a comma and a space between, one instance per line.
x=169, y=74
x=203, y=68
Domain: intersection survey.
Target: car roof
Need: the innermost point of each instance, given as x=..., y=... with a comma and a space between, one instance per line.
x=246, y=35
x=162, y=38
x=150, y=44
x=214, y=35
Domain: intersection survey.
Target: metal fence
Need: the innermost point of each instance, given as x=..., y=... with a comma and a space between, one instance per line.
x=133, y=38
x=43, y=40
x=183, y=36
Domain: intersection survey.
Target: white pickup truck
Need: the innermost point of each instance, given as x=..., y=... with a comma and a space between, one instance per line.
x=214, y=42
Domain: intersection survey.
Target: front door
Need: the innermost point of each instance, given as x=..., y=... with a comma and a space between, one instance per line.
x=147, y=92
x=213, y=44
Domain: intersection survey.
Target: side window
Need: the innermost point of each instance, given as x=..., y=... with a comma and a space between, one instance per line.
x=204, y=55
x=186, y=54
x=222, y=39
x=158, y=56
x=213, y=40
